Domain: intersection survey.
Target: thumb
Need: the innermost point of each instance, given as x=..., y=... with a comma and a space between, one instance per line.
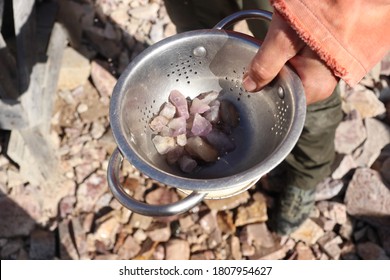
x=280, y=45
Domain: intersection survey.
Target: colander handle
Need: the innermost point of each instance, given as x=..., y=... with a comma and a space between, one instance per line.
x=243, y=15
x=142, y=208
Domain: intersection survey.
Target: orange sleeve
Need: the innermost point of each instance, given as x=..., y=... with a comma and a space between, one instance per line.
x=351, y=36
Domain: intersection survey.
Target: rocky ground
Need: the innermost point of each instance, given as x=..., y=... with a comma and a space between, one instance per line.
x=78, y=218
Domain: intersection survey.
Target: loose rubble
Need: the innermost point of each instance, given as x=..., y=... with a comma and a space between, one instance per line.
x=78, y=218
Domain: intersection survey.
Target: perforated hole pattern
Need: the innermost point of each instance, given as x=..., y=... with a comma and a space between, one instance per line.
x=183, y=69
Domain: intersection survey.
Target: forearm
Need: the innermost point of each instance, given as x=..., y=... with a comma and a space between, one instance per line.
x=350, y=36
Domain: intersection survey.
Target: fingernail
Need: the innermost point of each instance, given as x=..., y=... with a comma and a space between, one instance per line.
x=249, y=84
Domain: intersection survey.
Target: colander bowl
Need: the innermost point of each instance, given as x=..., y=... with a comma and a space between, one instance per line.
x=271, y=120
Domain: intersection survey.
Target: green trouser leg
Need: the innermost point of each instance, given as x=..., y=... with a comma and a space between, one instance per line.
x=308, y=163
x=312, y=157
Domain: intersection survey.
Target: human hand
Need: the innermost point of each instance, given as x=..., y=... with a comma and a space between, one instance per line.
x=281, y=45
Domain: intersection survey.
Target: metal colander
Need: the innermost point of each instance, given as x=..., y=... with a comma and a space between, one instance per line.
x=194, y=62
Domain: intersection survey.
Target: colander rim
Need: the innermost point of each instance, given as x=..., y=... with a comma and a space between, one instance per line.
x=208, y=184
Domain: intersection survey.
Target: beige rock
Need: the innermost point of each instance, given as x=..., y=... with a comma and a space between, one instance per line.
x=3, y=161
x=235, y=247
x=186, y=223
x=140, y=236
x=147, y=249
x=328, y=189
x=124, y=214
x=228, y=203
x=89, y=192
x=304, y=252
x=349, y=135
x=309, y=232
x=146, y=12
x=209, y=222
x=365, y=102
x=131, y=27
x=161, y=196
x=87, y=222
x=3, y=187
x=177, y=249
x=106, y=232
x=324, y=257
x=140, y=221
x=83, y=171
x=338, y=212
x=130, y=185
x=75, y=70
x=129, y=249
x=103, y=80
x=378, y=137
x=368, y=197
x=325, y=223
x=214, y=239
x=103, y=202
x=170, y=30
x=225, y=222
x=346, y=229
x=67, y=247
x=160, y=232
x=96, y=109
x=334, y=211
x=159, y=253
x=157, y=32
x=199, y=247
x=256, y=212
x=347, y=164
x=120, y=240
x=14, y=178
x=205, y=255
x=277, y=253
x=82, y=108
x=247, y=250
x=91, y=243
x=107, y=257
x=258, y=235
x=80, y=238
x=330, y=244
x=120, y=17
x=372, y=77
x=66, y=205
x=97, y=130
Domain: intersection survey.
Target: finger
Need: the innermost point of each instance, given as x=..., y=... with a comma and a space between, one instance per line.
x=281, y=44
x=317, y=79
